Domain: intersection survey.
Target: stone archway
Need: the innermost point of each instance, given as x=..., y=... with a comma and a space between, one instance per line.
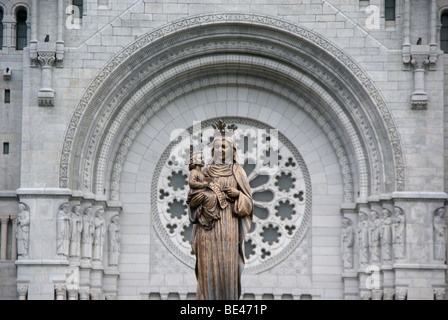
x=200, y=51
x=120, y=128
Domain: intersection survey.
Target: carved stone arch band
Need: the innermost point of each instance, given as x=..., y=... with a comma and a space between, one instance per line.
x=308, y=106
x=357, y=98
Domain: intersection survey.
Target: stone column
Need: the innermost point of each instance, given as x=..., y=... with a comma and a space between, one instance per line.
x=406, y=32
x=60, y=36
x=419, y=98
x=4, y=234
x=34, y=32
x=46, y=92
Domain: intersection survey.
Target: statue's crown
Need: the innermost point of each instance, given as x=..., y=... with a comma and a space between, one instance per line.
x=222, y=127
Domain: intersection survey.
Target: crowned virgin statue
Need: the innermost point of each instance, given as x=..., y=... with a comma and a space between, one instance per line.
x=220, y=206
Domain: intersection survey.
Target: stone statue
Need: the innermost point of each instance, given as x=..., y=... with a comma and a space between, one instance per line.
x=363, y=238
x=347, y=243
x=114, y=240
x=75, y=231
x=398, y=230
x=439, y=234
x=98, y=241
x=375, y=236
x=88, y=232
x=223, y=221
x=23, y=230
x=386, y=235
x=63, y=226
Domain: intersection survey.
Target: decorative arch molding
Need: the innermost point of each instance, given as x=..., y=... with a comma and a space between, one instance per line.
x=238, y=46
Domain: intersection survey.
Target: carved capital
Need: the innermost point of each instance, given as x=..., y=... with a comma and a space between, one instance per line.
x=46, y=58
x=95, y=294
x=401, y=293
x=22, y=290
x=61, y=291
x=420, y=61
x=388, y=294
x=377, y=294
x=84, y=293
x=439, y=293
x=72, y=293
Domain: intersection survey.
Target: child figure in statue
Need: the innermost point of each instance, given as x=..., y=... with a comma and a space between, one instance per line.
x=204, y=212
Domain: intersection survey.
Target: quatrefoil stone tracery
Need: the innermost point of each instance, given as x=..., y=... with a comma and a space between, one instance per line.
x=281, y=209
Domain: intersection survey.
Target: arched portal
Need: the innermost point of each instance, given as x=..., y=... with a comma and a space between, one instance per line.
x=247, y=50
x=339, y=140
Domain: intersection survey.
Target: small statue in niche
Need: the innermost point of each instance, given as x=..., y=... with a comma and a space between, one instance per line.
x=398, y=233
x=63, y=225
x=75, y=231
x=88, y=233
x=386, y=235
x=440, y=233
x=23, y=231
x=114, y=240
x=363, y=238
x=98, y=242
x=347, y=243
x=375, y=236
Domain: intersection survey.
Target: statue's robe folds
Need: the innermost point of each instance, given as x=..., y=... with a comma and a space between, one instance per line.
x=219, y=248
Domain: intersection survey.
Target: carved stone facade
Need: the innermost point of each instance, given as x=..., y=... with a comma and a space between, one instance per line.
x=349, y=106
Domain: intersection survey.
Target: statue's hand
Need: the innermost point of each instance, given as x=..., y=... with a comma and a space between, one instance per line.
x=232, y=192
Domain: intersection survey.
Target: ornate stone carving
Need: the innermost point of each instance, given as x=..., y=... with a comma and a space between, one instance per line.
x=114, y=240
x=401, y=293
x=389, y=294
x=399, y=228
x=22, y=290
x=63, y=230
x=73, y=293
x=98, y=242
x=439, y=293
x=88, y=233
x=363, y=238
x=375, y=237
x=75, y=231
x=23, y=231
x=377, y=294
x=61, y=291
x=386, y=235
x=95, y=293
x=440, y=234
x=84, y=293
x=348, y=241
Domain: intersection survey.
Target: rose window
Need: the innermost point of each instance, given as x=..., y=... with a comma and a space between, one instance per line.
x=280, y=188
